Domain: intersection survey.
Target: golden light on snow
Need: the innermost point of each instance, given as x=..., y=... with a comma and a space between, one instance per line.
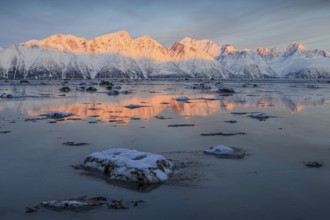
x=121, y=42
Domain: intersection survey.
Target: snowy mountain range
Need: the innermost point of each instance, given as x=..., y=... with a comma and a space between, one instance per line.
x=118, y=55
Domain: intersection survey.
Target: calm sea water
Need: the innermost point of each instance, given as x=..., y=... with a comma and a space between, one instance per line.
x=270, y=183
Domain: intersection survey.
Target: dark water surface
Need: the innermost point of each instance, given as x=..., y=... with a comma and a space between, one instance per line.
x=270, y=183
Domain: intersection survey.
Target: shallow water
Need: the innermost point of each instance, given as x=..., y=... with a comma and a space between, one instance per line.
x=270, y=183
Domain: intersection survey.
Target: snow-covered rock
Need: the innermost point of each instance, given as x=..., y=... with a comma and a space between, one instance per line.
x=223, y=151
x=128, y=165
x=259, y=115
x=220, y=149
x=61, y=204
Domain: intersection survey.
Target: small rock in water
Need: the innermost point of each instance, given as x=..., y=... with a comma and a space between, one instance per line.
x=133, y=106
x=225, y=90
x=141, y=168
x=117, y=204
x=223, y=134
x=65, y=89
x=220, y=149
x=91, y=89
x=113, y=92
x=161, y=117
x=313, y=164
x=70, y=143
x=4, y=132
x=24, y=81
x=231, y=121
x=116, y=87
x=181, y=125
x=135, y=118
x=182, y=99
x=126, y=92
x=261, y=116
x=30, y=210
x=58, y=115
x=238, y=113
x=136, y=203
x=223, y=151
x=198, y=86
x=105, y=83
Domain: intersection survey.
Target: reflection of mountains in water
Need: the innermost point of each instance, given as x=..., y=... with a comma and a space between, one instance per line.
x=154, y=105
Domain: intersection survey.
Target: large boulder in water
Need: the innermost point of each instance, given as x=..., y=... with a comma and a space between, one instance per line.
x=128, y=165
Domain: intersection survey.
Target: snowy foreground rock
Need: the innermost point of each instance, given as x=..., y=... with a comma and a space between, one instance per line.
x=223, y=151
x=130, y=165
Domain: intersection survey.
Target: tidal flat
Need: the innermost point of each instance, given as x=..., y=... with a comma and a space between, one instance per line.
x=38, y=151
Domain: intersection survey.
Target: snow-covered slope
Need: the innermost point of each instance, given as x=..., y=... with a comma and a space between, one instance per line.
x=209, y=47
x=245, y=63
x=297, y=61
x=114, y=55
x=118, y=55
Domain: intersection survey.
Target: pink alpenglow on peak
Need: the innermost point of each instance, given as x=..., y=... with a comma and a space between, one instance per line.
x=209, y=47
x=119, y=43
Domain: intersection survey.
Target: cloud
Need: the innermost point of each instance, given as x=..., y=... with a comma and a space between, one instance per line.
x=243, y=23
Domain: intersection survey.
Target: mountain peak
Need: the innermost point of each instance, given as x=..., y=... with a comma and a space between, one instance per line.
x=116, y=35
x=228, y=48
x=295, y=47
x=207, y=46
x=263, y=51
x=186, y=40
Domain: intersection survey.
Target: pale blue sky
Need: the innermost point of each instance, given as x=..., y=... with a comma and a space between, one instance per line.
x=243, y=23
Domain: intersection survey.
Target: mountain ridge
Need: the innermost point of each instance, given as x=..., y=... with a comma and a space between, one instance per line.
x=119, y=55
